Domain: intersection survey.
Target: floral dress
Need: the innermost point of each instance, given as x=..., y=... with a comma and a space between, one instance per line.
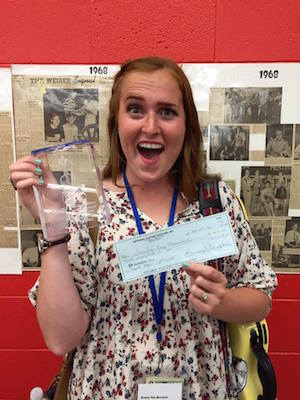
x=120, y=349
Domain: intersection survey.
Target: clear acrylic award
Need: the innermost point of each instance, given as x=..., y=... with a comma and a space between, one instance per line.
x=72, y=192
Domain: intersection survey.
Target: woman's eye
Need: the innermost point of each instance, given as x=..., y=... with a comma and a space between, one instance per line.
x=167, y=113
x=134, y=110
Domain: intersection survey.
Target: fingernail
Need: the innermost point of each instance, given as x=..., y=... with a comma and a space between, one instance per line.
x=186, y=264
x=38, y=170
x=41, y=180
x=38, y=161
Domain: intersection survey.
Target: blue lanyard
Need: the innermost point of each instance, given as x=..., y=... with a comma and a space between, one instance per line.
x=158, y=303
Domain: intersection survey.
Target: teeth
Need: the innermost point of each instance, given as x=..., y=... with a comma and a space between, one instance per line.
x=151, y=146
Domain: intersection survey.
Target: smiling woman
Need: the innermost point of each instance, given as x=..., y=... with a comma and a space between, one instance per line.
x=125, y=333
x=151, y=116
x=174, y=103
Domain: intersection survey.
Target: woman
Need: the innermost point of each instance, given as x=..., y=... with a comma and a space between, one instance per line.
x=240, y=144
x=69, y=128
x=90, y=110
x=267, y=199
x=55, y=131
x=280, y=197
x=82, y=301
x=255, y=198
x=246, y=188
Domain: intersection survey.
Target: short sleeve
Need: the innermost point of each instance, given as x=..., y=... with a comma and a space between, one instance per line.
x=247, y=268
x=83, y=264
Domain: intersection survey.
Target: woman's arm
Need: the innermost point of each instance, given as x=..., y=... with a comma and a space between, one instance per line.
x=62, y=319
x=243, y=305
x=240, y=305
x=241, y=293
x=61, y=316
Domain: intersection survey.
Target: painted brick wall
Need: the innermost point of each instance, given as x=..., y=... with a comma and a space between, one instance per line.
x=109, y=31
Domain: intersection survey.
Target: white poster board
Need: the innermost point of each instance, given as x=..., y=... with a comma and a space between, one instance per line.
x=10, y=248
x=241, y=108
x=250, y=117
x=54, y=104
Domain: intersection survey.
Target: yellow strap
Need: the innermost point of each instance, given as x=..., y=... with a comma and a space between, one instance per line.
x=243, y=208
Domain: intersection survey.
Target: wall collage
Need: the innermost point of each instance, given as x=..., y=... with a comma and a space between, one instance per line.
x=250, y=121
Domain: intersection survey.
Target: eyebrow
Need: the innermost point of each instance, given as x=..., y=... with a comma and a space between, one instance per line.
x=160, y=103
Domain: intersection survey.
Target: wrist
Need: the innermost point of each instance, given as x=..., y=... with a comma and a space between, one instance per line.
x=44, y=244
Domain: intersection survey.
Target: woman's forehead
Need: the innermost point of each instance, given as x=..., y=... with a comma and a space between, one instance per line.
x=160, y=82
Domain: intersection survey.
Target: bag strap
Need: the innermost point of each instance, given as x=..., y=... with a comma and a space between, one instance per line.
x=210, y=203
x=63, y=378
x=209, y=198
x=264, y=366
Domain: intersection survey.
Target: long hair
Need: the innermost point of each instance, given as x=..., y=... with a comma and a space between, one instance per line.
x=188, y=170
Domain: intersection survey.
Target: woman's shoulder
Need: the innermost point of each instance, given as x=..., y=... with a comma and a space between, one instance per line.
x=115, y=196
x=112, y=186
x=228, y=196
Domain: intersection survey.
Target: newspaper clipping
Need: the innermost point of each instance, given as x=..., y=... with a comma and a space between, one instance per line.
x=251, y=134
x=53, y=109
x=237, y=118
x=10, y=262
x=8, y=220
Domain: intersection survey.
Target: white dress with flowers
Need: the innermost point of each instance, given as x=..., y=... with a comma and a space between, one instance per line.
x=120, y=349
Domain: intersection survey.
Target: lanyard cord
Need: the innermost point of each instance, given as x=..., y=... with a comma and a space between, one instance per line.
x=158, y=303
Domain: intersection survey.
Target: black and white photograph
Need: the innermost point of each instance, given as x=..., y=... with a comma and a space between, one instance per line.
x=229, y=142
x=203, y=118
x=253, y=105
x=279, y=139
x=297, y=143
x=204, y=159
x=279, y=260
x=71, y=114
x=265, y=191
x=292, y=234
x=262, y=231
x=30, y=255
x=231, y=183
x=291, y=248
x=62, y=177
x=204, y=131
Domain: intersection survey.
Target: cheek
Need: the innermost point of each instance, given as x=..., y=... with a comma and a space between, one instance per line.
x=122, y=142
x=178, y=139
x=126, y=125
x=179, y=143
x=126, y=141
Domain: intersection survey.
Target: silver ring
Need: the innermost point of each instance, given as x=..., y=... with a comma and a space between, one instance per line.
x=204, y=297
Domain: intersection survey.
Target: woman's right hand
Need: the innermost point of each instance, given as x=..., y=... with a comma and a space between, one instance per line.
x=24, y=173
x=32, y=171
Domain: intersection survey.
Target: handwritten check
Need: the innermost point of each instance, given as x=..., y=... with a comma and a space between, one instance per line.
x=151, y=253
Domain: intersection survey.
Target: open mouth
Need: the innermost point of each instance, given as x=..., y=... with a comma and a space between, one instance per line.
x=150, y=150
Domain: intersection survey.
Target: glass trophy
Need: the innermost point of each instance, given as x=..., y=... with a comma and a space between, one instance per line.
x=72, y=192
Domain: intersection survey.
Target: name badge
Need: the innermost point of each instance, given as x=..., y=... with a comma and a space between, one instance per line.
x=206, y=239
x=160, y=391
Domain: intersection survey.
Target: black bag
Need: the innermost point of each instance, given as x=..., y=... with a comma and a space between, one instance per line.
x=249, y=340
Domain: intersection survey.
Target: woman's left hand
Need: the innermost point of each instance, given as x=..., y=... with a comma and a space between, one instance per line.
x=208, y=287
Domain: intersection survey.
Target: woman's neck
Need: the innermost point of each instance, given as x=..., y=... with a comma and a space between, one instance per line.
x=141, y=188
x=154, y=198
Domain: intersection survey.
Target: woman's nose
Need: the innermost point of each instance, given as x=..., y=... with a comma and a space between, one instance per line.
x=150, y=123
